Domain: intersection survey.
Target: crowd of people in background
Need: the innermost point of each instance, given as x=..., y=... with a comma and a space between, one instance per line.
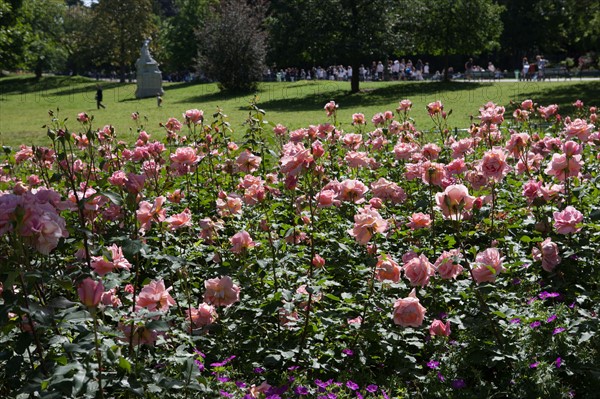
x=377, y=71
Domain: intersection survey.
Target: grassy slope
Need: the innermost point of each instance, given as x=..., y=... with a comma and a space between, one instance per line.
x=24, y=102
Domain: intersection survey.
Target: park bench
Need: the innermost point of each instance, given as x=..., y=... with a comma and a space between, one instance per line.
x=557, y=73
x=588, y=74
x=481, y=75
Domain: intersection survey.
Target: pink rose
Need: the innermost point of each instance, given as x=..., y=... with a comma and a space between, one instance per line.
x=352, y=191
x=568, y=220
x=241, y=242
x=327, y=198
x=547, y=253
x=447, y=265
x=418, y=270
x=435, y=108
x=247, y=162
x=366, y=223
x=493, y=164
x=154, y=296
x=489, y=265
x=203, y=316
x=387, y=269
x=404, y=105
x=180, y=220
x=330, y=108
x=454, y=200
x=438, y=328
x=388, y=191
x=193, y=116
x=221, y=291
x=90, y=292
x=408, y=312
x=419, y=220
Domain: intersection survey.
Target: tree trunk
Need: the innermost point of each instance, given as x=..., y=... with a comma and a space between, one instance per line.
x=355, y=81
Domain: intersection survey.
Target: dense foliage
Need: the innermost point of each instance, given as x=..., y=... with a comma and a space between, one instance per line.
x=362, y=259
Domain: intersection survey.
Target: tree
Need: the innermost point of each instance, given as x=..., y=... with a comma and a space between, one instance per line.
x=120, y=29
x=337, y=31
x=178, y=34
x=12, y=34
x=233, y=45
x=457, y=27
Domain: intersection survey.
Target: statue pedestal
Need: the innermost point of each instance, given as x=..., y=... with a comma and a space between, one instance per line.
x=149, y=84
x=149, y=77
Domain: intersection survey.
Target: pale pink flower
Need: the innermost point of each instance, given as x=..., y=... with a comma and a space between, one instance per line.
x=179, y=220
x=247, y=162
x=83, y=117
x=431, y=151
x=531, y=190
x=435, y=108
x=173, y=125
x=527, y=105
x=155, y=297
x=408, y=312
x=280, y=130
x=547, y=112
x=205, y=315
x=447, y=264
x=419, y=220
x=518, y=143
x=352, y=191
x=579, y=128
x=184, y=160
x=462, y=147
x=433, y=173
x=456, y=167
x=327, y=198
x=454, y=200
x=488, y=266
x=405, y=150
x=568, y=220
x=175, y=197
x=357, y=159
x=241, y=242
x=387, y=269
x=221, y=291
x=357, y=321
x=493, y=164
x=110, y=298
x=366, y=223
x=388, y=191
x=90, y=292
x=563, y=166
x=352, y=141
x=193, y=116
x=418, y=270
x=296, y=158
x=101, y=265
x=148, y=213
x=439, y=328
x=229, y=204
x=404, y=105
x=331, y=107
x=255, y=392
x=378, y=119
x=118, y=178
x=358, y=119
x=547, y=253
x=318, y=261
x=491, y=114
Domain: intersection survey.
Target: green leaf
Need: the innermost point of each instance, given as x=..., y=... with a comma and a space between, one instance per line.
x=115, y=198
x=125, y=364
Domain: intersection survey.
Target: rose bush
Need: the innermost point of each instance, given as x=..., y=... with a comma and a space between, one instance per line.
x=299, y=263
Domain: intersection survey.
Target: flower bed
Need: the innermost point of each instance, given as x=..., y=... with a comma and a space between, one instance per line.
x=333, y=261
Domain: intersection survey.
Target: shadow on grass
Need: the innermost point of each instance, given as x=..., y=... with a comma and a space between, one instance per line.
x=308, y=96
x=28, y=84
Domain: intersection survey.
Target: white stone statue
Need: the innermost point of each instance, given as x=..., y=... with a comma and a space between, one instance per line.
x=149, y=77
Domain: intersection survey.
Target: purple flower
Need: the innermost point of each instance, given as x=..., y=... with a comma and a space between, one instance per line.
x=516, y=320
x=433, y=364
x=571, y=306
x=259, y=370
x=322, y=384
x=459, y=384
x=274, y=396
x=385, y=395
x=352, y=385
x=558, y=330
x=331, y=395
x=551, y=319
x=545, y=294
x=225, y=393
x=535, y=324
x=200, y=365
x=359, y=395
x=372, y=388
x=292, y=368
x=440, y=377
x=516, y=281
x=222, y=378
x=301, y=390
x=223, y=363
x=202, y=355
x=558, y=362
x=240, y=384
x=534, y=365
x=347, y=352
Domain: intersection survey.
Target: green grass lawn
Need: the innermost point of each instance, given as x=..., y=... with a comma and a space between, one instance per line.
x=24, y=102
